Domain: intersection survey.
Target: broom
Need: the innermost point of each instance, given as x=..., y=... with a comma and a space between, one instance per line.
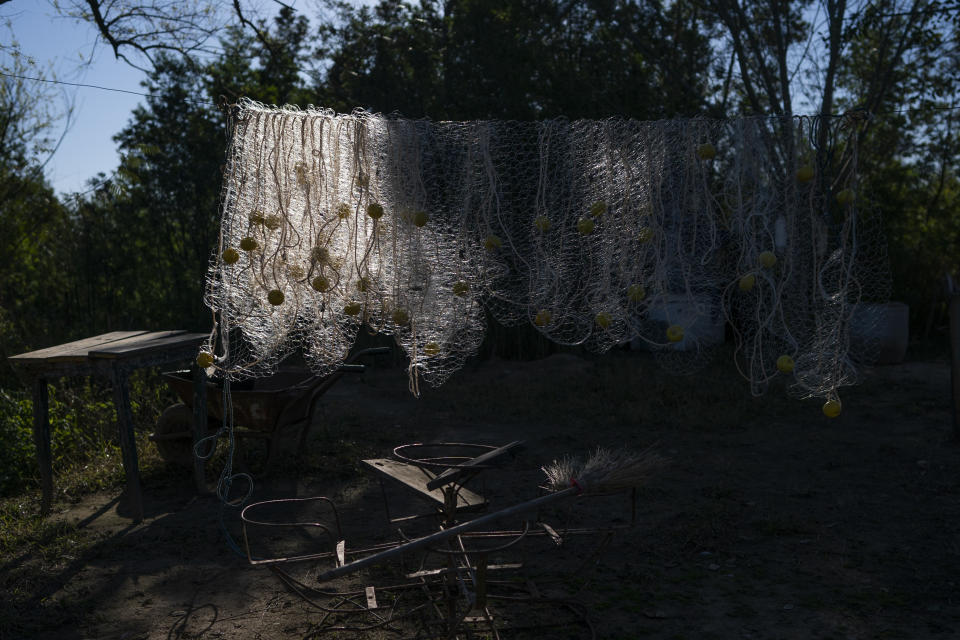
x=603, y=472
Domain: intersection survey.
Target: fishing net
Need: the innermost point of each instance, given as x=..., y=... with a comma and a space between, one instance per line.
x=595, y=232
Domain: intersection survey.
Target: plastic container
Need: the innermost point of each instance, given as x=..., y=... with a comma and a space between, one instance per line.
x=879, y=332
x=699, y=315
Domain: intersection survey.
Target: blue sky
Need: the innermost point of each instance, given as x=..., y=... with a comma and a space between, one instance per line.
x=63, y=46
x=69, y=50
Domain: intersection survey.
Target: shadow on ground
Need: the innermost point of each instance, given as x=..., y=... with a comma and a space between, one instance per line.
x=770, y=522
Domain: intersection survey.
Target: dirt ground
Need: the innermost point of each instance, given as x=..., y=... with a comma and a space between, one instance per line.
x=769, y=522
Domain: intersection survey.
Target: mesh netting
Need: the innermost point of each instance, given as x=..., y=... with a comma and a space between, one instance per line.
x=594, y=232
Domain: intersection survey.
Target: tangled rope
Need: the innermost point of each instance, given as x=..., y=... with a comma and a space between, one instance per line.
x=594, y=232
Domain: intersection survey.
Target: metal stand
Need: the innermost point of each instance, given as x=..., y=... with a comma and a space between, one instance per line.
x=452, y=590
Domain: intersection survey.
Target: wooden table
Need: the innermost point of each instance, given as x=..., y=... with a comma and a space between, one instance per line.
x=114, y=355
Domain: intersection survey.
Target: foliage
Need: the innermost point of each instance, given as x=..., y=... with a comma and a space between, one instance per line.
x=516, y=60
x=83, y=437
x=920, y=203
x=32, y=220
x=145, y=235
x=29, y=115
x=282, y=54
x=34, y=247
x=152, y=227
x=905, y=68
x=17, y=453
x=897, y=63
x=71, y=442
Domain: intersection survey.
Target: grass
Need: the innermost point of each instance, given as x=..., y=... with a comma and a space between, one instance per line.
x=86, y=459
x=34, y=550
x=84, y=443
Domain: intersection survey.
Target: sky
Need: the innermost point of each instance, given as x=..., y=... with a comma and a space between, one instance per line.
x=69, y=51
x=62, y=46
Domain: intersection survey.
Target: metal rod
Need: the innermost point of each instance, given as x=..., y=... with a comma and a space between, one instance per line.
x=444, y=534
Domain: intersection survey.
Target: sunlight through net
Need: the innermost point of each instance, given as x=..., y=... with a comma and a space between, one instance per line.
x=594, y=232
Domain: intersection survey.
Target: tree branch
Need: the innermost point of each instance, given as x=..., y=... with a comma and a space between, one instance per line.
x=261, y=36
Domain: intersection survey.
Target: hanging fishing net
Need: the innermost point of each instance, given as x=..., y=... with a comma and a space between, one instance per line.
x=595, y=232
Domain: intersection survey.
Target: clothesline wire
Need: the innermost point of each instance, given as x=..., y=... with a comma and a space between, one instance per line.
x=100, y=87
x=213, y=104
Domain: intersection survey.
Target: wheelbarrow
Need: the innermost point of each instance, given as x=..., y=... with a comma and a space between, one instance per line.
x=267, y=408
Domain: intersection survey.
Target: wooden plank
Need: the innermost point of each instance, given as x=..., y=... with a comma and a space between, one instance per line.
x=128, y=445
x=44, y=355
x=454, y=473
x=416, y=479
x=85, y=353
x=147, y=344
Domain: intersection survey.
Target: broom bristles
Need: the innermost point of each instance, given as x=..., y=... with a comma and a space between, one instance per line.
x=605, y=470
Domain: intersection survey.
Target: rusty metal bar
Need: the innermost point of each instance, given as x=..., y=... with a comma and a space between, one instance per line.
x=446, y=534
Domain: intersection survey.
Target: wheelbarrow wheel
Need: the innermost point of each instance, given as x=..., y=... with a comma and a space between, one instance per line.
x=174, y=435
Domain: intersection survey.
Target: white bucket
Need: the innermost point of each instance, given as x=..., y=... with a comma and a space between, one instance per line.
x=700, y=316
x=879, y=332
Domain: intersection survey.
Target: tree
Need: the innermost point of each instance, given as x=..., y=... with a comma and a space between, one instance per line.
x=791, y=52
x=32, y=221
x=145, y=235
x=29, y=115
x=469, y=59
x=895, y=63
x=152, y=30
x=149, y=28
x=904, y=66
x=282, y=52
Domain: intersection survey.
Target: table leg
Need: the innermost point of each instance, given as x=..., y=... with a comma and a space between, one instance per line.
x=128, y=443
x=41, y=438
x=199, y=425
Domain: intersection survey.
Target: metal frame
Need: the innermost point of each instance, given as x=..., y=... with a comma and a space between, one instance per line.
x=452, y=573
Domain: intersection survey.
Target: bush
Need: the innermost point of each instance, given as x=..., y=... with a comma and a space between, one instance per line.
x=83, y=432
x=17, y=453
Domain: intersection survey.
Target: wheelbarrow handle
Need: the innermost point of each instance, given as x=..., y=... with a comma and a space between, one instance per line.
x=372, y=351
x=347, y=367
x=320, y=384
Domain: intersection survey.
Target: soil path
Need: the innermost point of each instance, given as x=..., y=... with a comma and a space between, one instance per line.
x=770, y=522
